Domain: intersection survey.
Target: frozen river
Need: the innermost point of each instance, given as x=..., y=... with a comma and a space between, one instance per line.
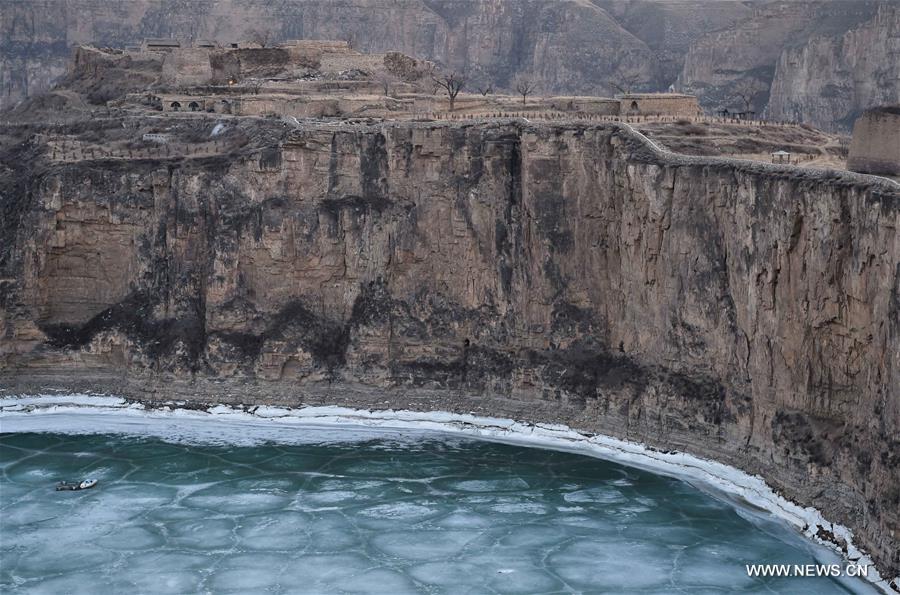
x=355, y=511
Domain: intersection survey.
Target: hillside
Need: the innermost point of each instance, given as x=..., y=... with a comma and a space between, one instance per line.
x=784, y=54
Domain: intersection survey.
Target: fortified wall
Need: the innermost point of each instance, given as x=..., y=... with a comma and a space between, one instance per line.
x=189, y=66
x=336, y=75
x=671, y=104
x=206, y=65
x=875, y=148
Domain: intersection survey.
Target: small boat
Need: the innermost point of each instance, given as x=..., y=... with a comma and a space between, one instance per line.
x=74, y=485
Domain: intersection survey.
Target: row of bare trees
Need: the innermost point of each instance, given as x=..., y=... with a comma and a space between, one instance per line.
x=453, y=83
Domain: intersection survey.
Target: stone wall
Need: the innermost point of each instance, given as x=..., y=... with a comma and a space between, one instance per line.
x=182, y=103
x=188, y=66
x=332, y=62
x=322, y=106
x=659, y=104
x=875, y=148
x=587, y=105
x=318, y=45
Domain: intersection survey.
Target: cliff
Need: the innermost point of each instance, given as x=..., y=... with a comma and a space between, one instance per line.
x=567, y=273
x=833, y=78
x=804, y=61
x=670, y=27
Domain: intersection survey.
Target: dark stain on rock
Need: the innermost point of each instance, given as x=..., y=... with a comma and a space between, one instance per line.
x=550, y=211
x=134, y=317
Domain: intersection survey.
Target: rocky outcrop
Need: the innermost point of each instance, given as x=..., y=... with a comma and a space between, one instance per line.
x=746, y=313
x=796, y=61
x=669, y=28
x=831, y=79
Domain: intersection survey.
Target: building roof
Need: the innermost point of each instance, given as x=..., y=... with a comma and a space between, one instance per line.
x=893, y=110
x=656, y=96
x=163, y=42
x=780, y=152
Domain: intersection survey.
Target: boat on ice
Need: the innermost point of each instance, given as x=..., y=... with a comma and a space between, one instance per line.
x=75, y=485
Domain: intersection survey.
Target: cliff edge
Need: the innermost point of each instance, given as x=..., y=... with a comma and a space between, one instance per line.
x=569, y=273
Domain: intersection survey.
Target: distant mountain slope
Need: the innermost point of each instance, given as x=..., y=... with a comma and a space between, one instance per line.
x=742, y=59
x=566, y=44
x=778, y=49
x=835, y=77
x=669, y=27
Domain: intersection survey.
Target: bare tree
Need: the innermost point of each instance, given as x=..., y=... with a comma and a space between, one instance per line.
x=424, y=82
x=387, y=80
x=744, y=91
x=524, y=86
x=260, y=36
x=253, y=85
x=452, y=84
x=477, y=77
x=624, y=83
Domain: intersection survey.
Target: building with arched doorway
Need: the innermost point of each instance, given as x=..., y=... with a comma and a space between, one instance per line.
x=186, y=103
x=654, y=104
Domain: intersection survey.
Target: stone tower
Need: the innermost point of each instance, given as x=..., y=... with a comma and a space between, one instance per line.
x=875, y=148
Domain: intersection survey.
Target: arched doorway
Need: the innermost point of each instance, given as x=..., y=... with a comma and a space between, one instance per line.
x=176, y=106
x=194, y=106
x=634, y=107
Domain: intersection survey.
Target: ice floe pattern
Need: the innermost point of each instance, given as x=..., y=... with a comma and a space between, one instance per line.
x=372, y=514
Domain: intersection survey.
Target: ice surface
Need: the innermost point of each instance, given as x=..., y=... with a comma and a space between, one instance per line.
x=387, y=514
x=378, y=580
x=514, y=484
x=588, y=562
x=285, y=531
x=424, y=544
x=601, y=495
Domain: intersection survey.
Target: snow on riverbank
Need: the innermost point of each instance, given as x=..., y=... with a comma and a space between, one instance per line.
x=79, y=414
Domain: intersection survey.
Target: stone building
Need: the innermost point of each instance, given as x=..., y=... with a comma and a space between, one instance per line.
x=670, y=104
x=185, y=103
x=187, y=66
x=324, y=78
x=160, y=45
x=875, y=148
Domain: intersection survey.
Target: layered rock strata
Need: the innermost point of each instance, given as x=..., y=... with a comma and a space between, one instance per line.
x=742, y=312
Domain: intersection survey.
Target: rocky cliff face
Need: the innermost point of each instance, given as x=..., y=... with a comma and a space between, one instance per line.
x=670, y=27
x=550, y=273
x=794, y=52
x=832, y=78
x=798, y=61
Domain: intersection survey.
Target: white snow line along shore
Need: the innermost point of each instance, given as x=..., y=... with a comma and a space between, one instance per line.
x=80, y=414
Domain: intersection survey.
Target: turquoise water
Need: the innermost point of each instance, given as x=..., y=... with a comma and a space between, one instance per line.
x=355, y=513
